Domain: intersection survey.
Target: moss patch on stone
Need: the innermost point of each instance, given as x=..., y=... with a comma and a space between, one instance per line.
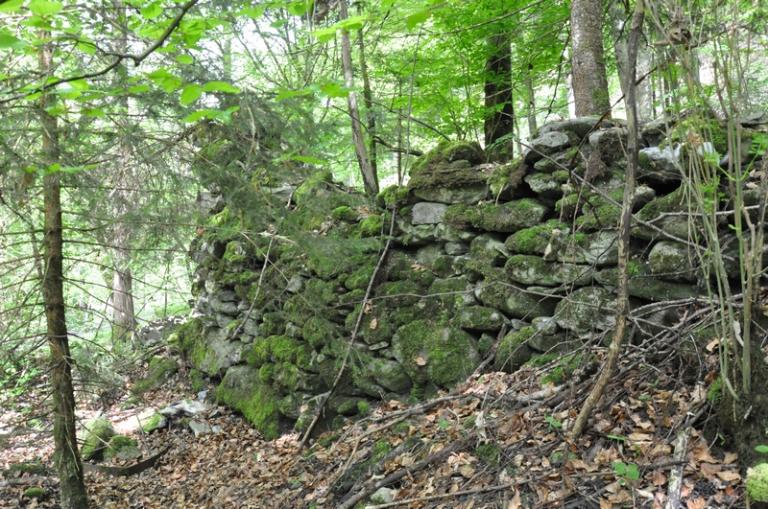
x=534, y=240
x=160, y=370
x=757, y=483
x=98, y=433
x=436, y=353
x=513, y=351
x=242, y=390
x=371, y=226
x=34, y=492
x=121, y=445
x=505, y=217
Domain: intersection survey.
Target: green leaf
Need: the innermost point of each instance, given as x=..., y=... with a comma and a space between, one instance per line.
x=185, y=59
x=334, y=90
x=308, y=160
x=167, y=81
x=352, y=23
x=152, y=10
x=190, y=94
x=11, y=5
x=199, y=115
x=300, y=7
x=253, y=12
x=286, y=93
x=94, y=112
x=325, y=34
x=417, y=18
x=138, y=89
x=220, y=86
x=8, y=40
x=762, y=448
x=45, y=7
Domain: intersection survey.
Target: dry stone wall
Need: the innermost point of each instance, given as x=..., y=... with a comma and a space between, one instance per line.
x=481, y=245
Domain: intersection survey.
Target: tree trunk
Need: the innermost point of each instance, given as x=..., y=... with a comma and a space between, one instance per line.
x=370, y=179
x=368, y=101
x=66, y=453
x=531, y=105
x=622, y=298
x=124, y=179
x=590, y=84
x=499, y=109
x=643, y=89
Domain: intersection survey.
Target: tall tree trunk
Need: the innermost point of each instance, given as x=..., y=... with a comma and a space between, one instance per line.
x=368, y=101
x=499, y=108
x=370, y=179
x=66, y=453
x=625, y=222
x=123, y=316
x=590, y=84
x=531, y=104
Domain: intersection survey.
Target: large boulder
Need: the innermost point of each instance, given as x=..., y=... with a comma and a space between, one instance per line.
x=546, y=144
x=435, y=353
x=588, y=309
x=672, y=260
x=533, y=270
x=242, y=390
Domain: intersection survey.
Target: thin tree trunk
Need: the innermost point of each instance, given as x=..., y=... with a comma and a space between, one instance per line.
x=622, y=299
x=643, y=90
x=590, y=84
x=500, y=114
x=531, y=105
x=370, y=179
x=66, y=453
x=368, y=101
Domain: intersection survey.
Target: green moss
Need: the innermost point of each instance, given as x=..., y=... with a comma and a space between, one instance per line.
x=431, y=352
x=448, y=152
x=563, y=370
x=29, y=467
x=242, y=390
x=34, y=492
x=344, y=213
x=234, y=253
x=489, y=453
x=392, y=196
x=266, y=373
x=715, y=390
x=317, y=181
x=197, y=380
x=513, y=350
x=371, y=226
x=319, y=332
x=259, y=353
x=360, y=278
x=757, y=483
x=363, y=407
x=156, y=421
x=99, y=431
x=160, y=370
x=118, y=444
x=272, y=324
x=328, y=257
x=505, y=217
x=534, y=240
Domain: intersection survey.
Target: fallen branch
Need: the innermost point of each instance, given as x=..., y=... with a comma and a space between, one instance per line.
x=370, y=487
x=134, y=469
x=676, y=476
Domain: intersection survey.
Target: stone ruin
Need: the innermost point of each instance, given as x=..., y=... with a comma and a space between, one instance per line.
x=485, y=251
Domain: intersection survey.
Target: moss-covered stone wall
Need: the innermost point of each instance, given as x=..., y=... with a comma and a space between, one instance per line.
x=526, y=247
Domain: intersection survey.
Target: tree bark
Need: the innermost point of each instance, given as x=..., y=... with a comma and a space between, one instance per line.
x=368, y=101
x=370, y=179
x=499, y=108
x=531, y=105
x=590, y=84
x=643, y=92
x=622, y=298
x=66, y=453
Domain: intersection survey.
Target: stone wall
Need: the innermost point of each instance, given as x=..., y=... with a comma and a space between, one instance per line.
x=481, y=245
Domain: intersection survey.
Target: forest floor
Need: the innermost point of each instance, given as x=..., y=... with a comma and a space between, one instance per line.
x=496, y=441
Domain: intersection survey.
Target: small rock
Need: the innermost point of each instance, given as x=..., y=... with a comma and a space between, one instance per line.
x=383, y=495
x=199, y=427
x=184, y=407
x=428, y=213
x=547, y=143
